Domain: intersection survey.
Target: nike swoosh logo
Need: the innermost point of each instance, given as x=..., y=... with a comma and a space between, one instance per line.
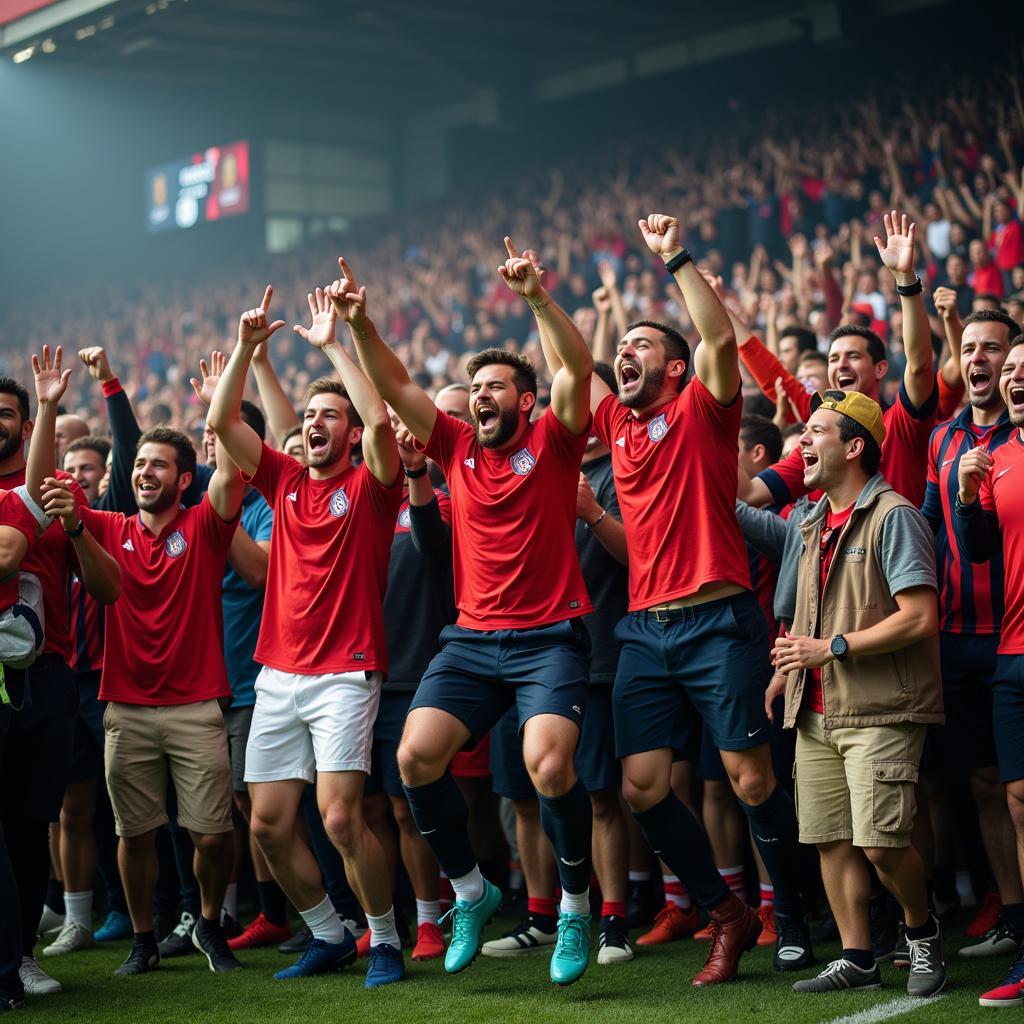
x=754, y=733
x=948, y=461
x=1004, y=472
x=572, y=863
x=430, y=831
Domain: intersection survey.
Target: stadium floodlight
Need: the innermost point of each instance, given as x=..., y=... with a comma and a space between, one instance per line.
x=21, y=56
x=85, y=32
x=48, y=45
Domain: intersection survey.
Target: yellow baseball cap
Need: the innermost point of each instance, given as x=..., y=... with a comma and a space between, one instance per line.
x=863, y=410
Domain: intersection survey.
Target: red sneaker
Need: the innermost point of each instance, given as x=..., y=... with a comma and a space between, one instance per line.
x=363, y=944
x=260, y=932
x=768, y=935
x=986, y=917
x=734, y=930
x=670, y=923
x=1010, y=992
x=429, y=942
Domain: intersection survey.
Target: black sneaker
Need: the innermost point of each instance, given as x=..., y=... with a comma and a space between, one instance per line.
x=884, y=929
x=143, y=958
x=613, y=942
x=179, y=942
x=927, y=965
x=793, y=950
x=297, y=943
x=840, y=975
x=901, y=954
x=209, y=938
x=232, y=929
x=644, y=902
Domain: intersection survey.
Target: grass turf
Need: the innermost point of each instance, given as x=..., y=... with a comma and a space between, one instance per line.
x=654, y=988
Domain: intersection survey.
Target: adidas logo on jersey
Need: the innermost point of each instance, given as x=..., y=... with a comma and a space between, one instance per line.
x=294, y=496
x=471, y=463
x=128, y=545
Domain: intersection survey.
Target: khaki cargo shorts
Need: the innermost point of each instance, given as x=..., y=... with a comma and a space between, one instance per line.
x=144, y=744
x=858, y=784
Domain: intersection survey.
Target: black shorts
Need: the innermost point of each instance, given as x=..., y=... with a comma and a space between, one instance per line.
x=479, y=674
x=1008, y=715
x=87, y=762
x=387, y=733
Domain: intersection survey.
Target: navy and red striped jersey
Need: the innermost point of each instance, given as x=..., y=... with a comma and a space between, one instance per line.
x=970, y=595
x=87, y=618
x=764, y=576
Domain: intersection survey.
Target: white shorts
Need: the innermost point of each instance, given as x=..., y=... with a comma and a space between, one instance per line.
x=302, y=723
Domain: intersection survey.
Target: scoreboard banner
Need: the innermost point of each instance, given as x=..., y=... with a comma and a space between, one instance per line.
x=205, y=187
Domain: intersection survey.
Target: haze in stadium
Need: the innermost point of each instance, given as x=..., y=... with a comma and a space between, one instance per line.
x=511, y=513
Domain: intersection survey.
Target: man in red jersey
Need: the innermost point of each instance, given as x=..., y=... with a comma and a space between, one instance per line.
x=520, y=594
x=39, y=747
x=321, y=641
x=693, y=628
x=988, y=518
x=857, y=362
x=163, y=692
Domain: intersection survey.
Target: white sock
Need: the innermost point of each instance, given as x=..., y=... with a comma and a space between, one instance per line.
x=639, y=876
x=324, y=922
x=231, y=900
x=469, y=887
x=427, y=911
x=575, y=902
x=78, y=908
x=382, y=929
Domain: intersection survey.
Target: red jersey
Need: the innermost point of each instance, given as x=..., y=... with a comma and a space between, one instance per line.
x=52, y=559
x=165, y=633
x=14, y=513
x=987, y=280
x=513, y=524
x=675, y=475
x=1003, y=493
x=329, y=551
x=88, y=626
x=1007, y=245
x=834, y=523
x=904, y=454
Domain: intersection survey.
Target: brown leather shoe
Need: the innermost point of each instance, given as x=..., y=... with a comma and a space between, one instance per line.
x=734, y=929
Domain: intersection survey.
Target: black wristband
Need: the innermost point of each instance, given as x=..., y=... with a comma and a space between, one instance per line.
x=78, y=531
x=909, y=289
x=415, y=474
x=680, y=259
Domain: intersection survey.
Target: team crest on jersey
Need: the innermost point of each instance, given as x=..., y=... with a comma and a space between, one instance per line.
x=657, y=428
x=522, y=462
x=175, y=544
x=339, y=502
x=404, y=519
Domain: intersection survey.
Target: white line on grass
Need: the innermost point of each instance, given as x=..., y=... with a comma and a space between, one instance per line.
x=885, y=1011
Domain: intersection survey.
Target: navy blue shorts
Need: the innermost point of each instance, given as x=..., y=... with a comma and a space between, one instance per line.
x=1008, y=715
x=387, y=733
x=967, y=740
x=479, y=674
x=715, y=653
x=87, y=762
x=596, y=763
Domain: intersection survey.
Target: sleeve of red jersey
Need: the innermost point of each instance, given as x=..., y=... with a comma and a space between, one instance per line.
x=766, y=369
x=100, y=525
x=723, y=419
x=268, y=472
x=604, y=427
x=443, y=440
x=444, y=505
x=385, y=500
x=950, y=396
x=216, y=530
x=568, y=446
x=786, y=478
x=933, y=458
x=14, y=513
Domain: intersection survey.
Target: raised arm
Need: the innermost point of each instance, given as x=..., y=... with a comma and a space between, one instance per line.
x=281, y=415
x=51, y=383
x=719, y=368
x=384, y=369
x=240, y=441
x=898, y=255
x=380, y=450
x=226, y=489
x=570, y=388
x=953, y=328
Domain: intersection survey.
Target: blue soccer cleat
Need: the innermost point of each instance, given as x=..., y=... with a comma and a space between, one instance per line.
x=115, y=927
x=468, y=921
x=319, y=957
x=386, y=965
x=572, y=951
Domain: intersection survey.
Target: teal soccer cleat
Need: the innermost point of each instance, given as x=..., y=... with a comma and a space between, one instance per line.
x=572, y=951
x=468, y=921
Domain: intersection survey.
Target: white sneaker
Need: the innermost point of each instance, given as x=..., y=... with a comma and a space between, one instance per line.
x=36, y=981
x=613, y=946
x=71, y=938
x=50, y=923
x=522, y=940
x=354, y=928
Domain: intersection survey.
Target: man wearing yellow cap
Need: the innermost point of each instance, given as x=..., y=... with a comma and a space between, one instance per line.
x=861, y=674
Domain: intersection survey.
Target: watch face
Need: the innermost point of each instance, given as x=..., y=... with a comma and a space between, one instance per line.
x=839, y=646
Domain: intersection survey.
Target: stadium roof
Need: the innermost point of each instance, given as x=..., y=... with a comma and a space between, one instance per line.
x=402, y=55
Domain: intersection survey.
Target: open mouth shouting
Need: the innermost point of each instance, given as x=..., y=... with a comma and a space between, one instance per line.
x=319, y=441
x=486, y=415
x=845, y=380
x=148, y=487
x=1015, y=399
x=629, y=376
x=979, y=379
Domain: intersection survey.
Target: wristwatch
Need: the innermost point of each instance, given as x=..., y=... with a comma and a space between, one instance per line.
x=839, y=648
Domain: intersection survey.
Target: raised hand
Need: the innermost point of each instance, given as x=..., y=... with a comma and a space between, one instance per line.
x=898, y=252
x=59, y=503
x=945, y=302
x=661, y=233
x=253, y=325
x=715, y=283
x=51, y=383
x=602, y=300
x=96, y=363
x=607, y=274
x=322, y=330
x=538, y=264
x=974, y=466
x=346, y=297
x=798, y=247
x=411, y=457
x=823, y=255
x=211, y=377
x=587, y=507
x=520, y=273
